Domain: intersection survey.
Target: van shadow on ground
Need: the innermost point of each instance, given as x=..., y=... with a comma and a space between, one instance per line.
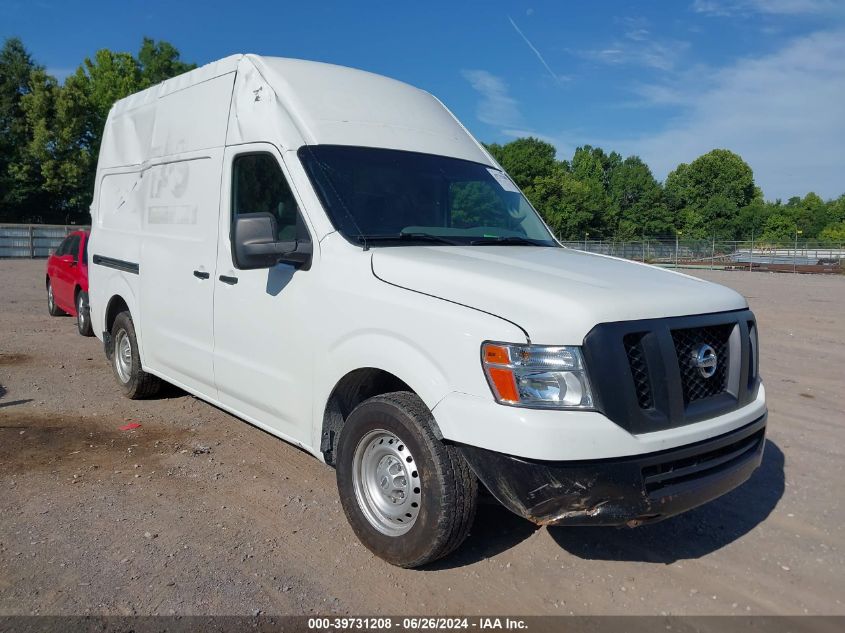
x=690, y=535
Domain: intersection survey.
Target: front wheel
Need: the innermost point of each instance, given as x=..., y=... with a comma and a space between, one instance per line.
x=83, y=314
x=409, y=497
x=126, y=361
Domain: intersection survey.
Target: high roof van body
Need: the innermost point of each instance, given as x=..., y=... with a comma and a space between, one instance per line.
x=329, y=255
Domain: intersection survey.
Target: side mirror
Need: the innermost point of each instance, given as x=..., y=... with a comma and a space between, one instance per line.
x=254, y=244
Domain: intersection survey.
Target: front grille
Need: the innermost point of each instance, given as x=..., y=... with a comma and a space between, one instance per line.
x=645, y=379
x=639, y=369
x=679, y=471
x=687, y=343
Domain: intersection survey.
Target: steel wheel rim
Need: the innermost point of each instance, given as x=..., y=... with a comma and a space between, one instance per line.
x=81, y=311
x=386, y=482
x=123, y=356
x=50, y=302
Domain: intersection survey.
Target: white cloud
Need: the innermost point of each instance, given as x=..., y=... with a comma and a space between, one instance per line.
x=782, y=113
x=639, y=47
x=782, y=7
x=496, y=106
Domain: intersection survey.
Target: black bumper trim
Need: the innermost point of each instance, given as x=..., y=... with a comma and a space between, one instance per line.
x=621, y=491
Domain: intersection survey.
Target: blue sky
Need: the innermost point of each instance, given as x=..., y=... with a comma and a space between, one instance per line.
x=664, y=80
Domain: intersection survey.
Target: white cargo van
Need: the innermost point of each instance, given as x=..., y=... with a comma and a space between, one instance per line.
x=329, y=255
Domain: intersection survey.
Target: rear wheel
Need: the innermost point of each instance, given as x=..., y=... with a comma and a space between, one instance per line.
x=409, y=497
x=51, y=301
x=83, y=314
x=126, y=361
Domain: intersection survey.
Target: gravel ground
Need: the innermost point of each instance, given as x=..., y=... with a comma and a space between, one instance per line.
x=197, y=512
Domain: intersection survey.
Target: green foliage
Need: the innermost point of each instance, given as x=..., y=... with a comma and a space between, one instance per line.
x=160, y=61
x=639, y=199
x=16, y=82
x=779, y=228
x=833, y=232
x=570, y=206
x=525, y=159
x=56, y=128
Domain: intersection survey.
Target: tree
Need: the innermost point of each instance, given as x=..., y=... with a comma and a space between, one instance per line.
x=714, y=186
x=16, y=68
x=811, y=215
x=160, y=61
x=833, y=232
x=750, y=219
x=638, y=197
x=570, y=206
x=35, y=200
x=779, y=227
x=525, y=159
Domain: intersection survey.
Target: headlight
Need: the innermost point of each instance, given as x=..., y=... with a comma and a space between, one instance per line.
x=537, y=375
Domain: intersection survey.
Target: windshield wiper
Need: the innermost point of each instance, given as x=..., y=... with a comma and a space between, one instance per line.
x=404, y=237
x=507, y=240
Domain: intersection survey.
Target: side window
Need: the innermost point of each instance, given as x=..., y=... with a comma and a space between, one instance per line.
x=259, y=186
x=73, y=247
x=62, y=248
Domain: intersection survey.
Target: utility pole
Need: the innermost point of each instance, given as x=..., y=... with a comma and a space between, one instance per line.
x=712, y=251
x=795, y=252
x=751, y=259
x=677, y=233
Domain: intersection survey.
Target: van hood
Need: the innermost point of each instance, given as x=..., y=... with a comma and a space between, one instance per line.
x=556, y=295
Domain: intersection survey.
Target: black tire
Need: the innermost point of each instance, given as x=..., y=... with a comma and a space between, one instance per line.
x=52, y=308
x=137, y=383
x=448, y=489
x=83, y=314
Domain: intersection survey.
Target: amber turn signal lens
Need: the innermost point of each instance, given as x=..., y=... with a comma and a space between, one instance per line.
x=504, y=384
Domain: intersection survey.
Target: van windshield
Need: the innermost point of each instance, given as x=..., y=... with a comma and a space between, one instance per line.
x=385, y=197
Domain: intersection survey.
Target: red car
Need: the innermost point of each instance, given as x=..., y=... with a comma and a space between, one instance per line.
x=67, y=281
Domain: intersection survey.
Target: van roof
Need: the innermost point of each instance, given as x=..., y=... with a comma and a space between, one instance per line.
x=293, y=102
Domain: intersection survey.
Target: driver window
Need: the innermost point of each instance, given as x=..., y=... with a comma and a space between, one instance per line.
x=259, y=186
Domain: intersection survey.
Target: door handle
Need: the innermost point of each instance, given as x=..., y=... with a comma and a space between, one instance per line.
x=201, y=275
x=228, y=280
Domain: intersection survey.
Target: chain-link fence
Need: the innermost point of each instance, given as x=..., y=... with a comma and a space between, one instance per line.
x=32, y=240
x=807, y=256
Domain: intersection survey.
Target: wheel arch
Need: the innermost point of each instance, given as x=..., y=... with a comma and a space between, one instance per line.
x=353, y=388
x=115, y=306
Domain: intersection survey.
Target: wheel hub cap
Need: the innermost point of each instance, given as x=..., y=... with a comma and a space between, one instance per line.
x=123, y=357
x=387, y=483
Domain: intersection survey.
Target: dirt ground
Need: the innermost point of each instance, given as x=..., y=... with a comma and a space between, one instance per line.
x=197, y=512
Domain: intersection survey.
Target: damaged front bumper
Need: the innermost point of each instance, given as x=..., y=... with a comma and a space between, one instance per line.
x=622, y=491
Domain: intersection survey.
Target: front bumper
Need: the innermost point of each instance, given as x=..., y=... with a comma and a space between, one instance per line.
x=621, y=491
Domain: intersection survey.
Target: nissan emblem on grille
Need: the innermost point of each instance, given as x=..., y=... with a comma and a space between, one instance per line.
x=706, y=360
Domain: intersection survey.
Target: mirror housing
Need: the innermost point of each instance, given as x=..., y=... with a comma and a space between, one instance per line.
x=254, y=244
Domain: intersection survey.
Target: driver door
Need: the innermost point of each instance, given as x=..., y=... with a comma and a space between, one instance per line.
x=262, y=359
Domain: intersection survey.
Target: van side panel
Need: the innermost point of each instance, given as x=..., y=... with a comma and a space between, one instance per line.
x=178, y=271
x=160, y=215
